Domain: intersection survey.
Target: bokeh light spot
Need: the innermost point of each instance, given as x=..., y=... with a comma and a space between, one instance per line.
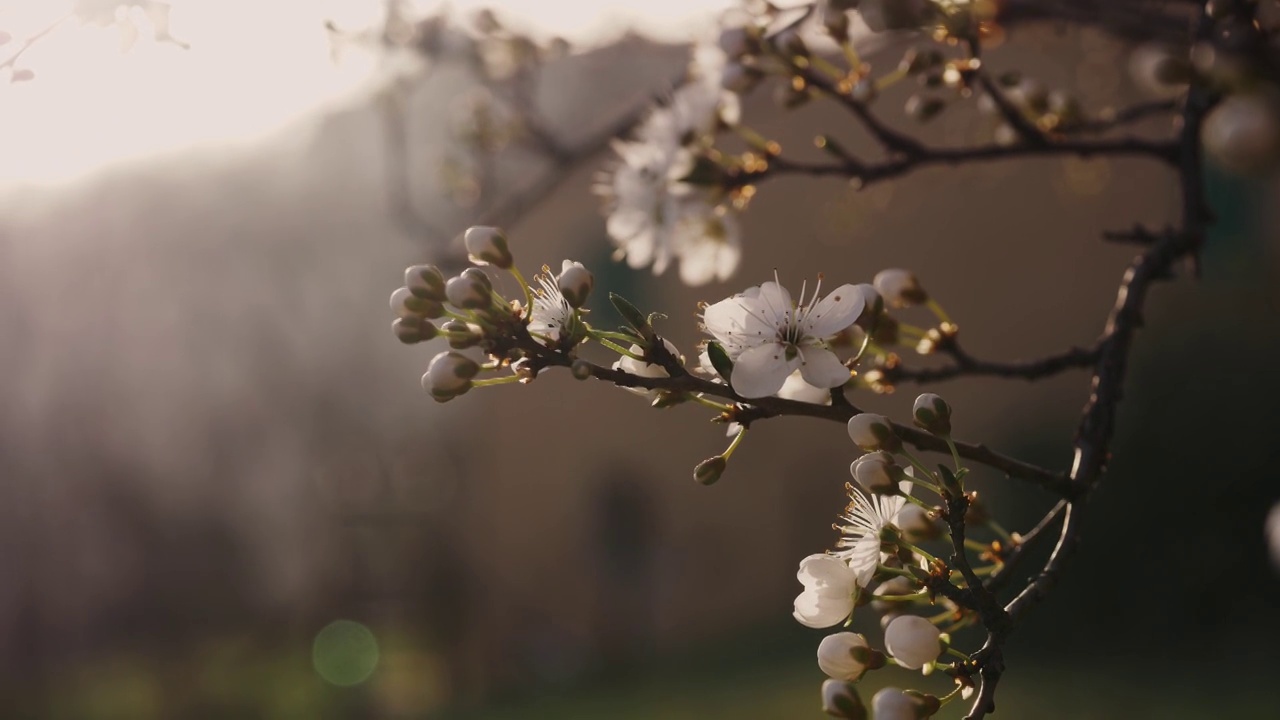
x=345, y=653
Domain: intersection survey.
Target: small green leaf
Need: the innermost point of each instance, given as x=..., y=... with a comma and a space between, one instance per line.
x=634, y=317
x=720, y=360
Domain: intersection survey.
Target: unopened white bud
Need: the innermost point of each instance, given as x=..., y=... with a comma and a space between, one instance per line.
x=462, y=335
x=736, y=41
x=840, y=699
x=872, y=305
x=876, y=472
x=900, y=288
x=576, y=283
x=912, y=641
x=426, y=282
x=894, y=586
x=872, y=432
x=413, y=330
x=1243, y=133
x=844, y=656
x=894, y=704
x=470, y=290
x=915, y=522
x=487, y=245
x=449, y=375
x=408, y=306
x=932, y=414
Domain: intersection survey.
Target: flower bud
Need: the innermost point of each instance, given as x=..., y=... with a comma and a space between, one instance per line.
x=829, y=589
x=576, y=283
x=580, y=369
x=872, y=306
x=872, y=432
x=840, y=699
x=916, y=524
x=790, y=42
x=845, y=656
x=409, y=306
x=1243, y=133
x=461, y=335
x=912, y=641
x=932, y=414
x=470, y=290
x=449, y=375
x=709, y=471
x=896, y=585
x=894, y=704
x=413, y=330
x=900, y=288
x=426, y=282
x=923, y=109
x=877, y=472
x=736, y=41
x=487, y=245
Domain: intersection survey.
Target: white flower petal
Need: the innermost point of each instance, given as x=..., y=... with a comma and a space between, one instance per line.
x=761, y=370
x=821, y=368
x=835, y=312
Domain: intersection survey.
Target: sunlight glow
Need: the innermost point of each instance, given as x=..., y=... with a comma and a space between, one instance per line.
x=107, y=92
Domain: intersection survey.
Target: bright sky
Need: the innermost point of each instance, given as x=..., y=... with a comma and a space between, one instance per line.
x=254, y=67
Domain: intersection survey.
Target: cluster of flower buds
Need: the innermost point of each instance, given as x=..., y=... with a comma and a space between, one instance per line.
x=468, y=312
x=879, y=560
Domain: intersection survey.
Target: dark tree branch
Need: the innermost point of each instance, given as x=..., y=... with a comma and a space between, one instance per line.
x=1126, y=116
x=748, y=410
x=966, y=365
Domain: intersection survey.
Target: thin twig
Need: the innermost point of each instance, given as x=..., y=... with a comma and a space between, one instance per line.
x=966, y=365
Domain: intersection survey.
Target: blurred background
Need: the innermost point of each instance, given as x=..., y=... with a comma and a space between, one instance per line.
x=224, y=494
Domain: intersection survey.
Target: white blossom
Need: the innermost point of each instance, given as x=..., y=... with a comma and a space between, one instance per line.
x=863, y=522
x=708, y=242
x=768, y=337
x=795, y=388
x=843, y=656
x=829, y=587
x=553, y=320
x=645, y=197
x=643, y=369
x=913, y=641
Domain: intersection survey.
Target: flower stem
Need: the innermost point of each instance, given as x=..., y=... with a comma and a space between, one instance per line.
x=937, y=310
x=955, y=454
x=619, y=349
x=702, y=400
x=998, y=529
x=904, y=598
x=851, y=56
x=524, y=286
x=928, y=480
x=890, y=79
x=737, y=440
x=956, y=653
x=953, y=694
x=496, y=381
x=931, y=559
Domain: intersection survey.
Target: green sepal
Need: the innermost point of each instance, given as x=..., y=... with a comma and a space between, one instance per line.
x=720, y=360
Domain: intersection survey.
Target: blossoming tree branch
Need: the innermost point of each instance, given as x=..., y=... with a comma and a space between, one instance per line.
x=915, y=545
